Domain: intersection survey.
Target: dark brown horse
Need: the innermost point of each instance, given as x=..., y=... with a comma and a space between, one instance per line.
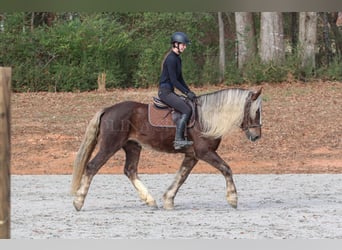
x=125, y=125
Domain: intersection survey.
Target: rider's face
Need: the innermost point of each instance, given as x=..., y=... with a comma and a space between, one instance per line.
x=181, y=47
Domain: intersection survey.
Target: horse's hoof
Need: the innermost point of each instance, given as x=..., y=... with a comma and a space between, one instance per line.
x=168, y=205
x=78, y=206
x=233, y=201
x=152, y=203
x=234, y=205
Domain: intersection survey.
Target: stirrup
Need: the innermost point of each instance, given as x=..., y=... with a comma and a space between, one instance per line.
x=178, y=144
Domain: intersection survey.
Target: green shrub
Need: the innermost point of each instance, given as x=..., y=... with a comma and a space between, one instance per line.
x=333, y=71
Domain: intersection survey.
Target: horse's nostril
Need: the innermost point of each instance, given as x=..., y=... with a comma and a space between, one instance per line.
x=254, y=138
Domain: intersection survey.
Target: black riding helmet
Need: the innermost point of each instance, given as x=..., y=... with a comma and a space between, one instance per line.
x=180, y=37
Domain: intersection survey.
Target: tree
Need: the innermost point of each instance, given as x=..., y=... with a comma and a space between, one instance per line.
x=294, y=29
x=339, y=19
x=2, y=22
x=335, y=21
x=245, y=34
x=221, y=47
x=272, y=49
x=307, y=40
x=326, y=38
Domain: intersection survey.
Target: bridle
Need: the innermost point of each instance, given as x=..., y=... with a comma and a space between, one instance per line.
x=246, y=121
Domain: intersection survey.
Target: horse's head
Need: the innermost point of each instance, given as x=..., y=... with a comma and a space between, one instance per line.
x=251, y=123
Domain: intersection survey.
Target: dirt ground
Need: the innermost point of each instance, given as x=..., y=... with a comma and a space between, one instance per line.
x=301, y=131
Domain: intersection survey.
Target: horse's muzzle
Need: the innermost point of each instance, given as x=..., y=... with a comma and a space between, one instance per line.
x=253, y=134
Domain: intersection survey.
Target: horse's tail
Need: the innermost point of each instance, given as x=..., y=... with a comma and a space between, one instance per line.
x=87, y=147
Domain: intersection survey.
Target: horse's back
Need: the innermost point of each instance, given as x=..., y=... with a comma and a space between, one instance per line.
x=118, y=117
x=125, y=105
x=125, y=108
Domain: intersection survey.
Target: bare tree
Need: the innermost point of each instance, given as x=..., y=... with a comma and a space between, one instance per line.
x=32, y=21
x=41, y=18
x=294, y=29
x=245, y=34
x=272, y=47
x=2, y=22
x=326, y=38
x=222, y=50
x=335, y=21
x=307, y=39
x=339, y=19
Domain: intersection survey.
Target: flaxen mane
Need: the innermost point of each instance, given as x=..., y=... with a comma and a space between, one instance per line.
x=222, y=111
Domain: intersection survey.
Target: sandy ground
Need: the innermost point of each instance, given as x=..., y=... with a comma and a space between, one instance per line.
x=289, y=206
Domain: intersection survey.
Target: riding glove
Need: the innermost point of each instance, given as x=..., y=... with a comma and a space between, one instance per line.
x=191, y=95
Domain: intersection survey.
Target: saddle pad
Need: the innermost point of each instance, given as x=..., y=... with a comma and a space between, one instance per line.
x=160, y=117
x=164, y=117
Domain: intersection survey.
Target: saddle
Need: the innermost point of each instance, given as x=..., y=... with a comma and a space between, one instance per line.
x=162, y=115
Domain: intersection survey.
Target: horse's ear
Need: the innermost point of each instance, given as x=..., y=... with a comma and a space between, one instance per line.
x=256, y=94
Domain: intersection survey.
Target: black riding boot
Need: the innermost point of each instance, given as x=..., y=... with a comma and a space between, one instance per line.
x=180, y=141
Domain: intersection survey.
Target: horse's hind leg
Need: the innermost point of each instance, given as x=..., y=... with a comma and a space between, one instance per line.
x=105, y=152
x=132, y=150
x=187, y=165
x=82, y=192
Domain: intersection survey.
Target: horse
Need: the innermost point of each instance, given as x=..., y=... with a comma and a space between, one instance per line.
x=125, y=125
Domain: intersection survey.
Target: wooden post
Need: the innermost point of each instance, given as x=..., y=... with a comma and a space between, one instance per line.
x=101, y=82
x=5, y=152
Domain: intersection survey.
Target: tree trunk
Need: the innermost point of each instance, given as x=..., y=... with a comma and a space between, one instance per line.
x=222, y=50
x=307, y=40
x=2, y=22
x=32, y=21
x=294, y=29
x=333, y=19
x=326, y=38
x=339, y=19
x=245, y=35
x=272, y=47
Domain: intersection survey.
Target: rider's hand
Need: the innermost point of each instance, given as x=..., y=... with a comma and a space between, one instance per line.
x=191, y=95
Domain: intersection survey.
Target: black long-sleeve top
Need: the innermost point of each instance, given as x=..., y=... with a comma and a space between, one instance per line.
x=172, y=73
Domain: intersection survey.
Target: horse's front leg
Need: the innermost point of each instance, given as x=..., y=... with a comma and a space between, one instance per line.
x=215, y=160
x=187, y=165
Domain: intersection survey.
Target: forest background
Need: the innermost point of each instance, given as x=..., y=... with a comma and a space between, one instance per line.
x=72, y=51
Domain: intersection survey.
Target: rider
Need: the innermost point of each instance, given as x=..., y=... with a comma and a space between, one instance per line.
x=171, y=78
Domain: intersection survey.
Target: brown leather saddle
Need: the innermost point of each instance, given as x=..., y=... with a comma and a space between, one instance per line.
x=162, y=115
